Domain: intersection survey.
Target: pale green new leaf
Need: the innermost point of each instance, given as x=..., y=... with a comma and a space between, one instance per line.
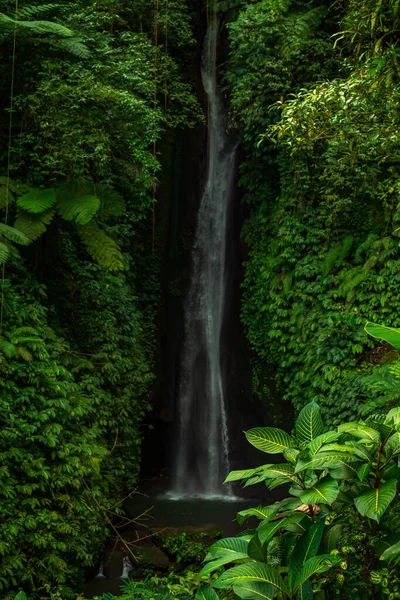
x=324, y=492
x=270, y=439
x=252, y=571
x=373, y=502
x=391, y=553
x=309, y=423
x=389, y=334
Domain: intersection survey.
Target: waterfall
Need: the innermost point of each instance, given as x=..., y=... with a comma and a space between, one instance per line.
x=202, y=458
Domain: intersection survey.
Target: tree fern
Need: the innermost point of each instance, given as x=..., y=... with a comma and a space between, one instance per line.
x=4, y=252
x=77, y=208
x=37, y=201
x=101, y=247
x=298, y=27
x=33, y=225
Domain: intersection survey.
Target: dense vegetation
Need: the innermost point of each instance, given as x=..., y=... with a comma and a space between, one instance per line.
x=89, y=93
x=314, y=93
x=87, y=90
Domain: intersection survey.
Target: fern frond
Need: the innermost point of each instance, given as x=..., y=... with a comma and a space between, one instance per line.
x=14, y=235
x=77, y=208
x=37, y=201
x=74, y=46
x=25, y=354
x=4, y=253
x=7, y=348
x=33, y=225
x=298, y=27
x=101, y=247
x=23, y=332
x=30, y=12
x=112, y=203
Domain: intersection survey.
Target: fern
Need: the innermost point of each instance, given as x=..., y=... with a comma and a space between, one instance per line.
x=13, y=234
x=30, y=12
x=37, y=201
x=298, y=27
x=101, y=247
x=4, y=253
x=74, y=46
x=33, y=225
x=77, y=208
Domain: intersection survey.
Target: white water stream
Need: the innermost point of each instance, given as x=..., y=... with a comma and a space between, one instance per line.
x=202, y=460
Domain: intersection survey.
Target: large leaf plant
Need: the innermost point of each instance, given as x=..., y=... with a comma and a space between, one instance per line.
x=351, y=470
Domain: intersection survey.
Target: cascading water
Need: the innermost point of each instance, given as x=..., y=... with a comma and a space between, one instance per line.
x=202, y=460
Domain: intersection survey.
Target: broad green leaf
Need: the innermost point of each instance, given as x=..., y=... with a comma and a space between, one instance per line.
x=309, y=423
x=305, y=592
x=323, y=460
x=232, y=544
x=261, y=512
x=381, y=332
x=318, y=443
x=37, y=201
x=266, y=531
x=306, y=547
x=363, y=471
x=391, y=553
x=345, y=469
x=257, y=550
x=360, y=431
x=373, y=502
x=324, y=492
x=244, y=474
x=331, y=537
x=285, y=472
x=254, y=590
x=252, y=571
x=206, y=593
x=270, y=439
x=316, y=564
x=220, y=561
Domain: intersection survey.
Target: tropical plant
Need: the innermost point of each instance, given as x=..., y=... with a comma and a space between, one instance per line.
x=353, y=468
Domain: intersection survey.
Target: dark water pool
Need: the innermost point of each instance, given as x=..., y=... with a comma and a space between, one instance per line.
x=158, y=510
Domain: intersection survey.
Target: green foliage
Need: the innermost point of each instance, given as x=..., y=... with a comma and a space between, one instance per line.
x=320, y=174
x=343, y=488
x=92, y=97
x=185, y=547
